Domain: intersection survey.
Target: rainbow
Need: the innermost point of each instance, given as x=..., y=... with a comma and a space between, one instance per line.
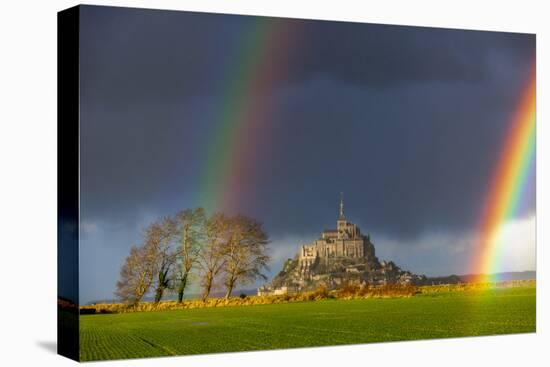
x=508, y=183
x=240, y=126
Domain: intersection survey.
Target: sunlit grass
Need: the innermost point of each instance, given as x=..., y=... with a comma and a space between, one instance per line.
x=479, y=310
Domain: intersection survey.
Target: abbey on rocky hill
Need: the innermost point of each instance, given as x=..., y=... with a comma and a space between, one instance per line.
x=346, y=241
x=340, y=255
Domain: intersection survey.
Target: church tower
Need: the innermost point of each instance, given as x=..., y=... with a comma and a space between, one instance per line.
x=341, y=223
x=341, y=206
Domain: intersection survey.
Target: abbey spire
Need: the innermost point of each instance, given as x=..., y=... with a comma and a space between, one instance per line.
x=341, y=207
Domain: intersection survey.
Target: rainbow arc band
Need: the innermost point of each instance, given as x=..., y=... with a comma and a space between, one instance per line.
x=241, y=133
x=508, y=183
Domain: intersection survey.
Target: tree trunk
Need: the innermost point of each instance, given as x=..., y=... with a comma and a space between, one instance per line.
x=207, y=287
x=162, y=285
x=181, y=289
x=230, y=287
x=158, y=294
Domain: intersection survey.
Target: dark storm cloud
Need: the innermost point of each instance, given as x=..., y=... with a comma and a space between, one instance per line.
x=407, y=121
x=153, y=55
x=151, y=81
x=380, y=55
x=409, y=160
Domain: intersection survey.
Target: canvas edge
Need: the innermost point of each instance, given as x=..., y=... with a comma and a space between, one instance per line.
x=68, y=338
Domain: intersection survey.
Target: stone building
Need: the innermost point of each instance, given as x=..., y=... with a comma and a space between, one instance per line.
x=346, y=241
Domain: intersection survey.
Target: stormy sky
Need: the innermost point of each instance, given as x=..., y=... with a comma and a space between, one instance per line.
x=408, y=122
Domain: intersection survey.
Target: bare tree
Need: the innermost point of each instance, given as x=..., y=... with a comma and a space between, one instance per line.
x=190, y=234
x=211, y=259
x=246, y=253
x=136, y=276
x=174, y=247
x=158, y=242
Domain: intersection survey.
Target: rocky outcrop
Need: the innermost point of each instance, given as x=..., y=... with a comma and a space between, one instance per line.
x=334, y=272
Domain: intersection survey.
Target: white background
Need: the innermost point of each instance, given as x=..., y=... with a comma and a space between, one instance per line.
x=28, y=182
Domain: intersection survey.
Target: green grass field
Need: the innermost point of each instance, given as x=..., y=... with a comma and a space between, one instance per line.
x=307, y=324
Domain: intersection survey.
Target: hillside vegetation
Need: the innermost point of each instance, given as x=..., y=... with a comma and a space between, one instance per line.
x=348, y=291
